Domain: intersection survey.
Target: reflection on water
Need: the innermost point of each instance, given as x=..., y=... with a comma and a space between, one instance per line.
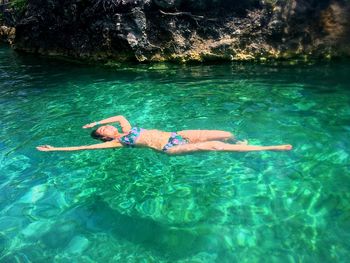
x=133, y=205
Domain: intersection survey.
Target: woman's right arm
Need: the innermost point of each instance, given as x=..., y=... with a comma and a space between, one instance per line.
x=124, y=123
x=105, y=145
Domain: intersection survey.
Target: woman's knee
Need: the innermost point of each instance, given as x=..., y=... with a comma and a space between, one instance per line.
x=224, y=135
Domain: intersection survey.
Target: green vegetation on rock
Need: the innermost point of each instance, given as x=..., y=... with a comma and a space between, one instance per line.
x=18, y=5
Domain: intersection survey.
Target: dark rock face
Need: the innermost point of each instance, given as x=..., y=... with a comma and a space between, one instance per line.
x=185, y=30
x=7, y=23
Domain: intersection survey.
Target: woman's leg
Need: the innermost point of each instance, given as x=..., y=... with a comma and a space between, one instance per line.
x=221, y=146
x=195, y=136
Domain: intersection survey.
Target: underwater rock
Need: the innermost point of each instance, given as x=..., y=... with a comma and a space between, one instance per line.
x=181, y=31
x=77, y=245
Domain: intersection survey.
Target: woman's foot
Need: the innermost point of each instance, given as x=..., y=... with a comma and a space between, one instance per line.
x=286, y=147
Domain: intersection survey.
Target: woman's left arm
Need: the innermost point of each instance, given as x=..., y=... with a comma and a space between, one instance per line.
x=105, y=145
x=124, y=123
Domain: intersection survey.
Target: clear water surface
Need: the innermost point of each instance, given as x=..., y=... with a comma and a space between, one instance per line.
x=138, y=205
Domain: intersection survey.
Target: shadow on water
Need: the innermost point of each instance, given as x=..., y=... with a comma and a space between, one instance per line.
x=165, y=241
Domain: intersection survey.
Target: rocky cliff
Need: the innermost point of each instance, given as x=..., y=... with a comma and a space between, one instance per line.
x=185, y=30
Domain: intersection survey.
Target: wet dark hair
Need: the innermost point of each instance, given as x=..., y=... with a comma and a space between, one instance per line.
x=94, y=134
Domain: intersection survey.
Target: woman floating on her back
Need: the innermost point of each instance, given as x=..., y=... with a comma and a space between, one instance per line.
x=185, y=141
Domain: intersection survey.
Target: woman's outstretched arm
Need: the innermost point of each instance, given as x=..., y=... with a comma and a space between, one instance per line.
x=124, y=123
x=105, y=145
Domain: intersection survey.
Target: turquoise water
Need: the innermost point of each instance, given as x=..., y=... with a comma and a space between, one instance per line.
x=138, y=205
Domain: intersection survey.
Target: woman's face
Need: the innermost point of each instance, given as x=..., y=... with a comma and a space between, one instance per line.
x=108, y=132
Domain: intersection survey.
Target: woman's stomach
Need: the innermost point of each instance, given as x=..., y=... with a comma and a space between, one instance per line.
x=154, y=139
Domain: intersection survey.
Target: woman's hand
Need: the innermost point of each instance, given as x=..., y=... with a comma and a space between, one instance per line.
x=90, y=125
x=45, y=148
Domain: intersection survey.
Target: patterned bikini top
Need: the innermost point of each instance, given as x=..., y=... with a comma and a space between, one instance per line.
x=131, y=137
